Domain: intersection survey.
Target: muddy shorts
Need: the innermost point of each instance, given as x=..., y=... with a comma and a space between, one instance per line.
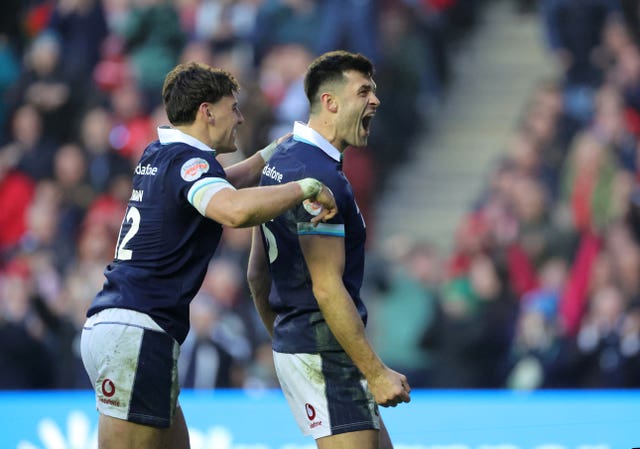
x=327, y=393
x=132, y=364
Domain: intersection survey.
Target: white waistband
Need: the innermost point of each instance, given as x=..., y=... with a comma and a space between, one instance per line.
x=123, y=316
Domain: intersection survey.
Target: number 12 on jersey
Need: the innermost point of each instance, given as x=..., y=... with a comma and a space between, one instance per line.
x=133, y=219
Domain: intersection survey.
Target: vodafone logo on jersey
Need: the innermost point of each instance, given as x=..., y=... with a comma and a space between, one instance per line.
x=193, y=169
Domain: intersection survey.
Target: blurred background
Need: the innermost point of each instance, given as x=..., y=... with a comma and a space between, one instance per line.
x=500, y=185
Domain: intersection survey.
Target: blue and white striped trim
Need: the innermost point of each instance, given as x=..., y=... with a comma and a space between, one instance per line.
x=336, y=230
x=202, y=190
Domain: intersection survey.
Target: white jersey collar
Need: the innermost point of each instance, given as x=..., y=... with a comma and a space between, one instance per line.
x=309, y=135
x=168, y=135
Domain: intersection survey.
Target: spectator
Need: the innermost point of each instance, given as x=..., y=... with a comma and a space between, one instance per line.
x=285, y=22
x=81, y=27
x=574, y=34
x=535, y=360
x=104, y=163
x=281, y=78
x=131, y=124
x=70, y=168
x=204, y=363
x=599, y=362
x=44, y=85
x=16, y=192
x=223, y=286
x=471, y=335
x=346, y=24
x=29, y=146
x=26, y=360
x=404, y=93
x=410, y=298
x=153, y=40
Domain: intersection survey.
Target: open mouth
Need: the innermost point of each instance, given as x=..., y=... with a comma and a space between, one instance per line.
x=366, y=122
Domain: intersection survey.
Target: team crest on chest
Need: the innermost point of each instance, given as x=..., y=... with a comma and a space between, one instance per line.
x=194, y=168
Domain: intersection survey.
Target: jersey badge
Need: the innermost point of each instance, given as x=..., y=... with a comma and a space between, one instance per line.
x=193, y=169
x=312, y=207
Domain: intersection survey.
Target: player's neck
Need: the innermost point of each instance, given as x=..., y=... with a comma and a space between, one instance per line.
x=197, y=131
x=326, y=129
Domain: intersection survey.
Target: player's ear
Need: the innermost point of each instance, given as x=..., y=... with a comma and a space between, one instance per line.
x=329, y=102
x=205, y=110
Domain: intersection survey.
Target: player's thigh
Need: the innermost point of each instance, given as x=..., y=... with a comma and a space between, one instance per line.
x=384, y=439
x=361, y=439
x=115, y=433
x=178, y=435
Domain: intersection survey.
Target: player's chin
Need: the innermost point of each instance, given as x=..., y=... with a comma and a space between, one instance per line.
x=363, y=136
x=361, y=141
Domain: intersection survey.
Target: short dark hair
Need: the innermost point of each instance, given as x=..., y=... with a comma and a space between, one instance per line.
x=188, y=85
x=330, y=67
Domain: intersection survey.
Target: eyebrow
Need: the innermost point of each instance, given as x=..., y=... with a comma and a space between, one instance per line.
x=371, y=86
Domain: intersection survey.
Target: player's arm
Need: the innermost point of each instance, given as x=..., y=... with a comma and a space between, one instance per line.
x=324, y=256
x=259, y=280
x=215, y=198
x=246, y=173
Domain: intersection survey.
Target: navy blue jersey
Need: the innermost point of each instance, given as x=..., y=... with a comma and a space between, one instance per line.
x=300, y=326
x=165, y=244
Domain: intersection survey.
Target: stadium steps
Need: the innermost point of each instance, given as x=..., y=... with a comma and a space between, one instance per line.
x=493, y=73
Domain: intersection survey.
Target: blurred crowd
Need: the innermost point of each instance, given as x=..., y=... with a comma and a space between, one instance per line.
x=542, y=288
x=80, y=83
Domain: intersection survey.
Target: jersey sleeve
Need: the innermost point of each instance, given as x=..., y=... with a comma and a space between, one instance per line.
x=305, y=211
x=199, y=176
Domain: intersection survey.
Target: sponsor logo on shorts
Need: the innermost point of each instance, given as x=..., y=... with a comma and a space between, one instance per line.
x=194, y=168
x=108, y=389
x=311, y=414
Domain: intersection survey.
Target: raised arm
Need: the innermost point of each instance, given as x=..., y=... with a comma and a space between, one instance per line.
x=259, y=280
x=324, y=256
x=246, y=173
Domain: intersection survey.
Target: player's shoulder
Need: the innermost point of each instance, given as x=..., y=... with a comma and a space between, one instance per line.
x=304, y=152
x=187, y=161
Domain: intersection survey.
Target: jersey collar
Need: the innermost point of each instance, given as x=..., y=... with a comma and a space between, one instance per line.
x=302, y=133
x=168, y=135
